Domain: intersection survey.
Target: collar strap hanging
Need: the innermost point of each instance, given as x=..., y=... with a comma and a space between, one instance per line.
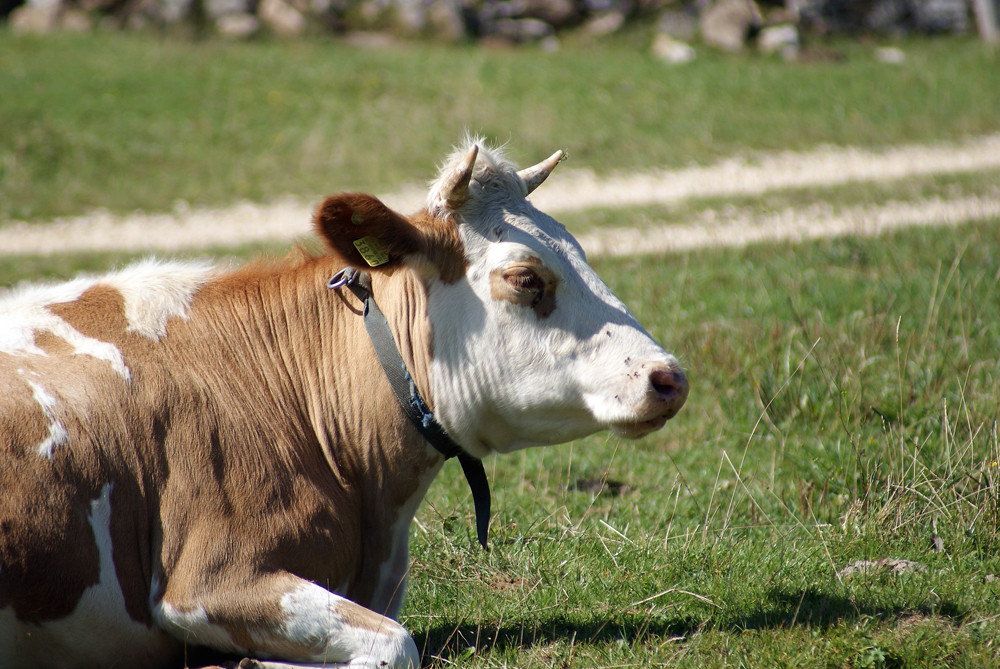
x=409, y=397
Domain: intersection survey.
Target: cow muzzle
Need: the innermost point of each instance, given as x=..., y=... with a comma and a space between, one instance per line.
x=663, y=389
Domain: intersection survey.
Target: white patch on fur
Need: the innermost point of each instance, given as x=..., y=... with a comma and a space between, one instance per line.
x=193, y=626
x=25, y=313
x=57, y=433
x=313, y=617
x=99, y=632
x=391, y=589
x=154, y=292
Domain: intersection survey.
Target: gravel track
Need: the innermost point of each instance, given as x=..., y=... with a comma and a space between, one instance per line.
x=568, y=190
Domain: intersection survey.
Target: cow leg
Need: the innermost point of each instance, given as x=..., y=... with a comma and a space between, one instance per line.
x=291, y=621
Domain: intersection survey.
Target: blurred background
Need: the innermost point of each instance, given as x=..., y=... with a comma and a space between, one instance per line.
x=727, y=24
x=800, y=199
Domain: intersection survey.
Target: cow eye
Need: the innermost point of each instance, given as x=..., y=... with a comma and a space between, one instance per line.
x=523, y=279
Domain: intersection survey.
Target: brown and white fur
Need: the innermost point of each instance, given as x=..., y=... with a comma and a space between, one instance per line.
x=191, y=456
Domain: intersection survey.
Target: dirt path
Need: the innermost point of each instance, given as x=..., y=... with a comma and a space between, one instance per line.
x=574, y=190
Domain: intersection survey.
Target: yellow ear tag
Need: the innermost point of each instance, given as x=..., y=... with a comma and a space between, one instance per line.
x=371, y=250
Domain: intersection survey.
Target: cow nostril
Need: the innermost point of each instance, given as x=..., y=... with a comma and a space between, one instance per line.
x=670, y=385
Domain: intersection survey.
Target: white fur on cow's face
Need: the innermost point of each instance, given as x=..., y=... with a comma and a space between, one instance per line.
x=509, y=374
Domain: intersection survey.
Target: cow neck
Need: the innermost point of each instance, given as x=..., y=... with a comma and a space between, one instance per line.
x=409, y=397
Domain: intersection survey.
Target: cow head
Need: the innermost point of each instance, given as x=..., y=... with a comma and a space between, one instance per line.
x=530, y=346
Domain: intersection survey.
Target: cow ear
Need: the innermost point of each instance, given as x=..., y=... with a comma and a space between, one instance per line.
x=365, y=233
x=368, y=235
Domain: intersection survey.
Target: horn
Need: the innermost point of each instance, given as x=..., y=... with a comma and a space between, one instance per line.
x=534, y=176
x=457, y=189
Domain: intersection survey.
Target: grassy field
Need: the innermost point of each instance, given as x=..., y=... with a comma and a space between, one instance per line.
x=845, y=393
x=844, y=407
x=124, y=122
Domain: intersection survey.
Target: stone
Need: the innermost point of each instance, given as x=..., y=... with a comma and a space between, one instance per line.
x=678, y=24
x=518, y=30
x=216, y=8
x=557, y=13
x=172, y=11
x=781, y=38
x=890, y=55
x=671, y=50
x=444, y=21
x=281, y=18
x=726, y=24
x=35, y=18
x=74, y=20
x=941, y=16
x=409, y=16
x=237, y=25
x=605, y=24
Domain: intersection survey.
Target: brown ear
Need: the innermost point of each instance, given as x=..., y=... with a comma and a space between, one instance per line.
x=365, y=233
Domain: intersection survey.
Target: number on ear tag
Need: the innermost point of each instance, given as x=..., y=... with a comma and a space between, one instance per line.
x=371, y=250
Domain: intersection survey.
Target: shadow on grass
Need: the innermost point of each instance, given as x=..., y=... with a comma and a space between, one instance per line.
x=820, y=610
x=784, y=609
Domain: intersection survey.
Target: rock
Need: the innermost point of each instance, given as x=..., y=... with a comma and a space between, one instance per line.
x=518, y=30
x=171, y=11
x=35, y=17
x=678, y=24
x=105, y=6
x=281, y=18
x=557, y=13
x=605, y=24
x=781, y=38
x=237, y=25
x=941, y=16
x=46, y=16
x=891, y=55
x=671, y=50
x=892, y=17
x=444, y=21
x=74, y=20
x=892, y=565
x=726, y=24
x=408, y=16
x=217, y=8
x=888, y=16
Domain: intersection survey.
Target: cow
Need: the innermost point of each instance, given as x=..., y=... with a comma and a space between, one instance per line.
x=199, y=456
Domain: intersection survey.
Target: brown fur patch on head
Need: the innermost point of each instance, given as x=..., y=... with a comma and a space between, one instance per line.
x=528, y=283
x=368, y=235
x=443, y=247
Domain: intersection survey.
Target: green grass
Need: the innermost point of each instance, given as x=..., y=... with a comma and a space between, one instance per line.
x=844, y=406
x=844, y=399
x=124, y=121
